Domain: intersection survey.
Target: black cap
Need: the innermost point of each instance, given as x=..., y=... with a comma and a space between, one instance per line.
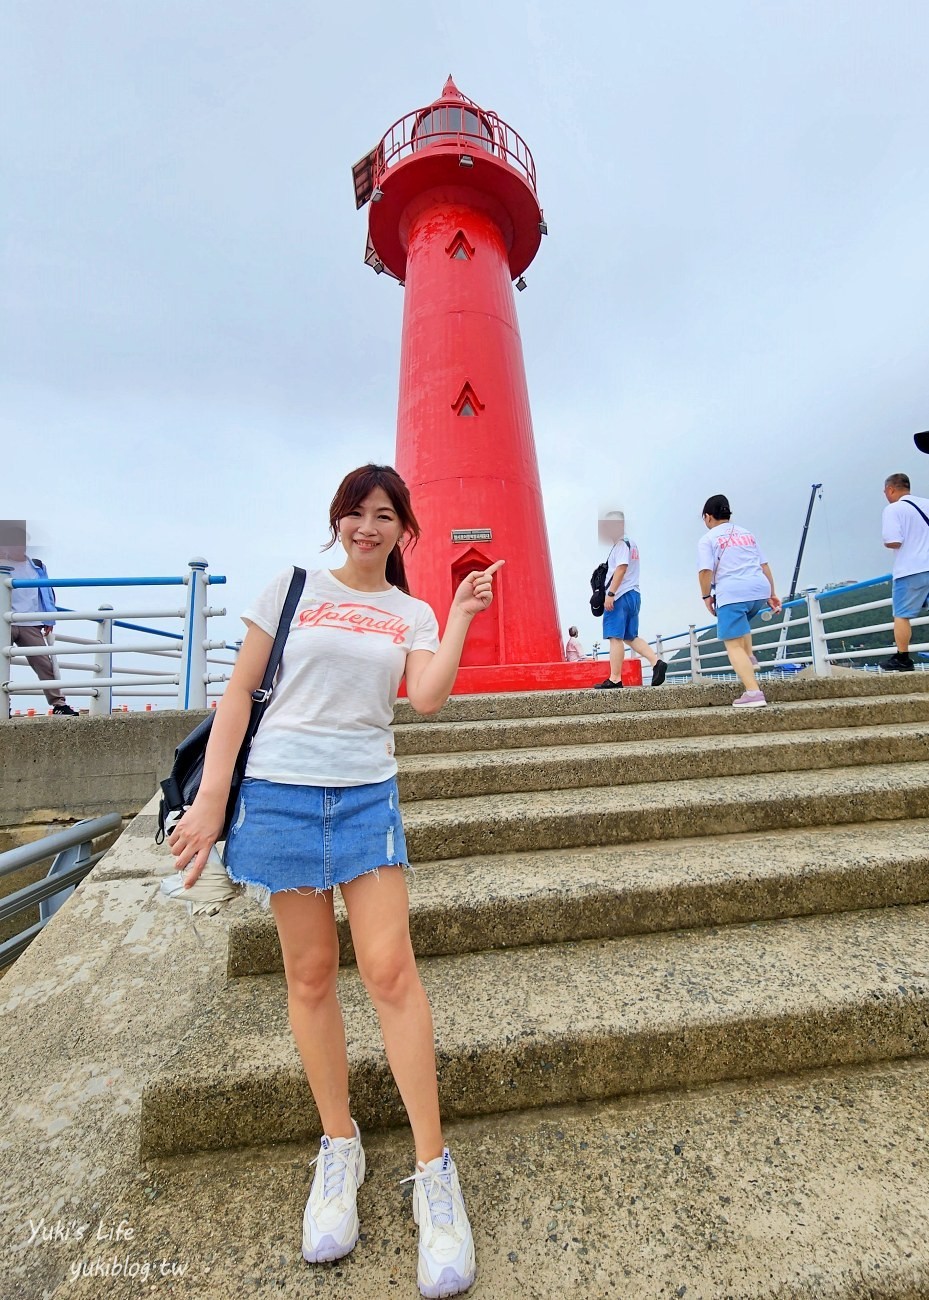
x=922, y=441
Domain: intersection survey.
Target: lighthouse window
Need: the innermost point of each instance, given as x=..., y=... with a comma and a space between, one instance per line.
x=445, y=125
x=467, y=402
x=460, y=250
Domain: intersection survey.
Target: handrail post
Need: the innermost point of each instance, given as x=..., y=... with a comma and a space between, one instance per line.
x=819, y=646
x=101, y=702
x=659, y=648
x=781, y=652
x=6, y=637
x=695, y=668
x=192, y=688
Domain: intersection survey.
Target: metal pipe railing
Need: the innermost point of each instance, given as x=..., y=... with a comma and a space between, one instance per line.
x=694, y=653
x=101, y=679
x=73, y=859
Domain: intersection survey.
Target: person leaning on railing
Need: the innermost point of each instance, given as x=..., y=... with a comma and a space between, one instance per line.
x=38, y=601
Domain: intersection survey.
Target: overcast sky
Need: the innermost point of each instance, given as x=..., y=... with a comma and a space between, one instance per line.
x=733, y=295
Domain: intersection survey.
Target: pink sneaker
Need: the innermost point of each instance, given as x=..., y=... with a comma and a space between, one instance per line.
x=750, y=700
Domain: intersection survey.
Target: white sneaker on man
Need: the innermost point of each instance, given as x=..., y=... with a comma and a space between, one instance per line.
x=330, y=1220
x=446, y=1246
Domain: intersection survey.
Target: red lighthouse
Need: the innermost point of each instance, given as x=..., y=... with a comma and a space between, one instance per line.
x=454, y=215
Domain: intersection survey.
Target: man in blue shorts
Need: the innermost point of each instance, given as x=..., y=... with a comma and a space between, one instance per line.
x=736, y=584
x=621, y=608
x=905, y=531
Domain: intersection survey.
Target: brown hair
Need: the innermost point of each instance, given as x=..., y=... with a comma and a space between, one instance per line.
x=898, y=481
x=353, y=489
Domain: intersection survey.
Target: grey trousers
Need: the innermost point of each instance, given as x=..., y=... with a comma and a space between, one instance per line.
x=44, y=666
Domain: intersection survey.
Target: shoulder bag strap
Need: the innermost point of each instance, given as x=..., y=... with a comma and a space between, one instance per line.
x=910, y=502
x=262, y=696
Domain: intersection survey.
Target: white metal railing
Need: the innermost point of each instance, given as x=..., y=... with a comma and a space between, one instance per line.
x=191, y=654
x=805, y=637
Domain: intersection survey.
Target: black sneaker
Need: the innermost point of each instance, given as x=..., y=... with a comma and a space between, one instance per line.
x=608, y=685
x=66, y=710
x=899, y=663
x=659, y=673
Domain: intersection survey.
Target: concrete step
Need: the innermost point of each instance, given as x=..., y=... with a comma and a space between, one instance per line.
x=552, y=704
x=811, y=1185
x=666, y=810
x=658, y=724
x=555, y=896
x=570, y=767
x=568, y=1022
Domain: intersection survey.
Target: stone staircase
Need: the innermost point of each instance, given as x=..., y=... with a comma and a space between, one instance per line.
x=645, y=896
x=678, y=958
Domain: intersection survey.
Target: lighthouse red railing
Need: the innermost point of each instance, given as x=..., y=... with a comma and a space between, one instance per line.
x=459, y=126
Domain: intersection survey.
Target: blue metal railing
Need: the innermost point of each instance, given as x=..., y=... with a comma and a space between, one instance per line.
x=815, y=647
x=191, y=682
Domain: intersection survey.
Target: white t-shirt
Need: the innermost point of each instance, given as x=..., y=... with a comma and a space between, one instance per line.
x=901, y=523
x=624, y=552
x=736, y=557
x=329, y=720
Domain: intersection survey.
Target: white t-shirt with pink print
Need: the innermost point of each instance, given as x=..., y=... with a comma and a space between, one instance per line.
x=732, y=553
x=329, y=720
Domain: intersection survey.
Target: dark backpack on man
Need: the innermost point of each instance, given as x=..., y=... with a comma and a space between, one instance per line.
x=598, y=590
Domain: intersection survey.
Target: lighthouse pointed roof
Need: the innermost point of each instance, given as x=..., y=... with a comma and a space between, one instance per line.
x=451, y=91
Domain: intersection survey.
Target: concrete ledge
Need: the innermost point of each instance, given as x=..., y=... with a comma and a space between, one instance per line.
x=553, y=704
x=570, y=767
x=83, y=767
x=513, y=900
x=658, y=724
x=578, y=1021
x=520, y=823
x=799, y=1188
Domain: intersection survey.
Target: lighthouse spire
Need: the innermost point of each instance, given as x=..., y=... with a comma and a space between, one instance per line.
x=450, y=90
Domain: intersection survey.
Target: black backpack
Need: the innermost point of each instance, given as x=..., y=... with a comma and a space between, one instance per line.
x=598, y=590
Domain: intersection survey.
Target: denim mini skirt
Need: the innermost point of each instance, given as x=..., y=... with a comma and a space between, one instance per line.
x=311, y=837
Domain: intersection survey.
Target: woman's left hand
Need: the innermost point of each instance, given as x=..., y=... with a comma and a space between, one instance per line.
x=476, y=591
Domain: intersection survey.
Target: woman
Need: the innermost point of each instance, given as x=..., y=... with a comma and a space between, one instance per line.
x=319, y=808
x=736, y=583
x=573, y=650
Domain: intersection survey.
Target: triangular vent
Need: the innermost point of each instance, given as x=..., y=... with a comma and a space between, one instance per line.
x=467, y=402
x=460, y=249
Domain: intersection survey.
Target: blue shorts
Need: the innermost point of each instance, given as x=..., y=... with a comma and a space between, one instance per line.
x=910, y=594
x=733, y=621
x=311, y=837
x=621, y=623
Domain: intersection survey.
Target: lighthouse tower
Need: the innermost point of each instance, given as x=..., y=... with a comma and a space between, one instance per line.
x=454, y=216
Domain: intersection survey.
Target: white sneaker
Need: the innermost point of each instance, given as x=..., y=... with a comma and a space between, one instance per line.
x=446, y=1246
x=330, y=1220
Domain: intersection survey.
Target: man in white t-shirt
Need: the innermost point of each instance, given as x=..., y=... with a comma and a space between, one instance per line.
x=736, y=584
x=905, y=531
x=621, y=607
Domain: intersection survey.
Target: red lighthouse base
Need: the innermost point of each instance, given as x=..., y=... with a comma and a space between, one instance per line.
x=493, y=679
x=498, y=679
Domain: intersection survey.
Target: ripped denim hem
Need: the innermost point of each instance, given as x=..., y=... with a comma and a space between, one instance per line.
x=260, y=893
